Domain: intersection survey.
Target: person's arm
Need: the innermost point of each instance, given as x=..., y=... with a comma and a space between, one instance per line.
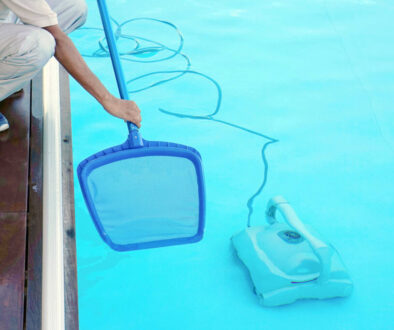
x=67, y=54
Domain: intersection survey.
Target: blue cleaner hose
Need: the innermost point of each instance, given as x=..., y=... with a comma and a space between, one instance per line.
x=139, y=54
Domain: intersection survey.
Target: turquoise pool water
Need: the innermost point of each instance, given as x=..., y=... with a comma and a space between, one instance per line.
x=316, y=75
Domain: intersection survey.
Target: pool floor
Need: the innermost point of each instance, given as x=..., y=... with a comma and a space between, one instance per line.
x=318, y=76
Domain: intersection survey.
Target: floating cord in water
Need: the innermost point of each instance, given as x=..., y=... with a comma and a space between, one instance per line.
x=142, y=54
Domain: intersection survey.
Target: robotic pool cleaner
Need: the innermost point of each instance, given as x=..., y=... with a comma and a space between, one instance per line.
x=286, y=262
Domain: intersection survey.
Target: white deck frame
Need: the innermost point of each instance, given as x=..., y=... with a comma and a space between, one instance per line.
x=53, y=270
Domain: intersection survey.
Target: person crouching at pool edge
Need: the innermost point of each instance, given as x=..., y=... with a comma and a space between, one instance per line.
x=31, y=32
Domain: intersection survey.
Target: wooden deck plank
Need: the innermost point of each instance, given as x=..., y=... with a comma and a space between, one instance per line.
x=12, y=269
x=14, y=165
x=35, y=220
x=21, y=202
x=14, y=154
x=70, y=260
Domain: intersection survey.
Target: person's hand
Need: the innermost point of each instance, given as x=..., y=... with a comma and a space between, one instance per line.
x=71, y=59
x=124, y=109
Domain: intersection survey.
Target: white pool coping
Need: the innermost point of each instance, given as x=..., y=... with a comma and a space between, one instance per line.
x=52, y=260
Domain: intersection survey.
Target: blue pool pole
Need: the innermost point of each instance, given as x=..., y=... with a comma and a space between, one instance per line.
x=115, y=59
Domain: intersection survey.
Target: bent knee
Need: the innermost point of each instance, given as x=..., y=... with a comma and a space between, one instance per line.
x=31, y=48
x=37, y=48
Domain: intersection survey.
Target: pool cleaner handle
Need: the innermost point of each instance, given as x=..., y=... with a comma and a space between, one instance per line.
x=321, y=249
x=115, y=59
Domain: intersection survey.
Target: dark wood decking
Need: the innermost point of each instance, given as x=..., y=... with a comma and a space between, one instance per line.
x=14, y=175
x=21, y=223
x=69, y=239
x=35, y=221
